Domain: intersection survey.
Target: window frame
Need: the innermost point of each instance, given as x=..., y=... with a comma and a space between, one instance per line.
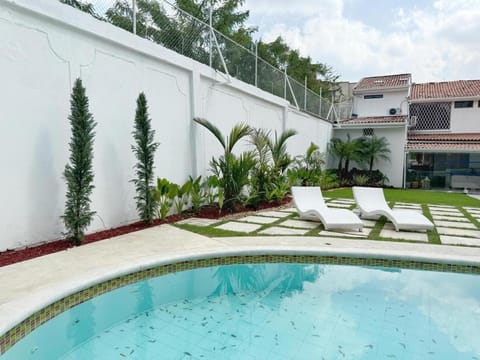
x=372, y=96
x=463, y=104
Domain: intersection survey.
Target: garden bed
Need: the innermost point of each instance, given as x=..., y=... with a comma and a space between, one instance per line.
x=210, y=212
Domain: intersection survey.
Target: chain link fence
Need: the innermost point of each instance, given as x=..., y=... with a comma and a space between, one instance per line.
x=161, y=22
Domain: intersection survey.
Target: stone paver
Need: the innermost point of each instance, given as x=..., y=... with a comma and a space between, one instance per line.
x=450, y=213
x=473, y=212
x=407, y=204
x=272, y=213
x=458, y=232
x=368, y=223
x=457, y=240
x=258, y=219
x=343, y=201
x=300, y=224
x=239, y=226
x=404, y=208
x=339, y=205
x=444, y=211
x=463, y=225
x=363, y=234
x=277, y=230
x=342, y=234
x=442, y=206
x=198, y=221
x=289, y=210
x=450, y=218
x=471, y=208
x=388, y=232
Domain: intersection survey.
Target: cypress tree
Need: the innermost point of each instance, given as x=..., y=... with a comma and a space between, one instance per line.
x=79, y=173
x=144, y=150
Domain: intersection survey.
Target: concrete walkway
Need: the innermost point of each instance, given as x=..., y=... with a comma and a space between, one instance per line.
x=29, y=286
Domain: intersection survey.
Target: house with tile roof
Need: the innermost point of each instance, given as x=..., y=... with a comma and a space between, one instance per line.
x=380, y=108
x=433, y=129
x=443, y=142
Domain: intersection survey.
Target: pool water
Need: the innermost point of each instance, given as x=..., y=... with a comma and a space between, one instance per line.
x=271, y=311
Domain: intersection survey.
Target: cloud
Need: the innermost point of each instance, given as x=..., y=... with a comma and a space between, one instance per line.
x=434, y=43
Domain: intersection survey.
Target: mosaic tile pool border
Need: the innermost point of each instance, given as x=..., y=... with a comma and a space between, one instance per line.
x=21, y=330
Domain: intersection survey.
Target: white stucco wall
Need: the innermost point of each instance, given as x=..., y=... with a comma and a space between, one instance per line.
x=465, y=120
x=380, y=107
x=46, y=45
x=393, y=168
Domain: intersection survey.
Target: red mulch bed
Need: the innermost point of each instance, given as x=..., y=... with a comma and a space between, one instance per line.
x=211, y=212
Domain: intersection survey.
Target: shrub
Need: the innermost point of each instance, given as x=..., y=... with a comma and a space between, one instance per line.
x=79, y=173
x=144, y=150
x=231, y=170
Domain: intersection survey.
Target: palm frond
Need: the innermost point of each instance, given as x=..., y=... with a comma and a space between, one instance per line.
x=213, y=129
x=238, y=132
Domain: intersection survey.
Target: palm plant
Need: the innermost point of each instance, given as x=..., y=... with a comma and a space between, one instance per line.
x=260, y=177
x=374, y=149
x=308, y=168
x=348, y=150
x=232, y=170
x=278, y=148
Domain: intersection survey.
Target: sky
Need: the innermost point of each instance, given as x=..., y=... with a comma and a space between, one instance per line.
x=434, y=40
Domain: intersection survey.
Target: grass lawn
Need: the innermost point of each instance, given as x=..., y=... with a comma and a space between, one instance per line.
x=414, y=196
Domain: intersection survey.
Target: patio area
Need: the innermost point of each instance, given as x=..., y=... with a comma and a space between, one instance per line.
x=454, y=225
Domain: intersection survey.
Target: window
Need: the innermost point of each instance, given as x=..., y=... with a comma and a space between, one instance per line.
x=431, y=116
x=374, y=96
x=368, y=132
x=463, y=104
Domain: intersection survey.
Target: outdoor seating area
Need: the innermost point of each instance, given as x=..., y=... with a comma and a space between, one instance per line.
x=372, y=204
x=310, y=205
x=452, y=225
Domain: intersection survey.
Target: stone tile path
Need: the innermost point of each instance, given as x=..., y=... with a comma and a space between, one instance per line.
x=451, y=224
x=239, y=227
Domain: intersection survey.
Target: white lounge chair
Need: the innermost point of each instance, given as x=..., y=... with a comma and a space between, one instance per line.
x=311, y=206
x=371, y=202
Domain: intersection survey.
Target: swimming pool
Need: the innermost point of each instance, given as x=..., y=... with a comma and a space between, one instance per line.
x=271, y=311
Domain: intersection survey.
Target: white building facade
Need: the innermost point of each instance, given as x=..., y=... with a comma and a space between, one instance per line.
x=380, y=108
x=433, y=129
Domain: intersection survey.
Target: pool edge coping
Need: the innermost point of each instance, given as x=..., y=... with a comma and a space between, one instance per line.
x=280, y=250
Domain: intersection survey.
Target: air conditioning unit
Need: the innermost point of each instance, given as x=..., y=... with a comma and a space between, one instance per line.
x=412, y=121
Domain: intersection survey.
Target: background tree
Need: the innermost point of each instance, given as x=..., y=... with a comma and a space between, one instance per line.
x=144, y=150
x=373, y=149
x=79, y=173
x=279, y=54
x=82, y=6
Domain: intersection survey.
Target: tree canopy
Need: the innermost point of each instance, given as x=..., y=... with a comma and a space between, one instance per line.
x=228, y=18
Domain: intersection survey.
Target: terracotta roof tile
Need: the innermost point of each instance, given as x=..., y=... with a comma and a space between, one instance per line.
x=375, y=120
x=440, y=146
x=382, y=82
x=445, y=90
x=444, y=142
x=467, y=137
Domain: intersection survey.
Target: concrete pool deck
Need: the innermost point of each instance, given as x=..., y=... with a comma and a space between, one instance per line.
x=31, y=285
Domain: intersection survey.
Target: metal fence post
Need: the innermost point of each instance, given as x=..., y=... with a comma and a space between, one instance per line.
x=320, y=104
x=256, y=63
x=305, y=95
x=285, y=83
x=211, y=34
x=134, y=17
